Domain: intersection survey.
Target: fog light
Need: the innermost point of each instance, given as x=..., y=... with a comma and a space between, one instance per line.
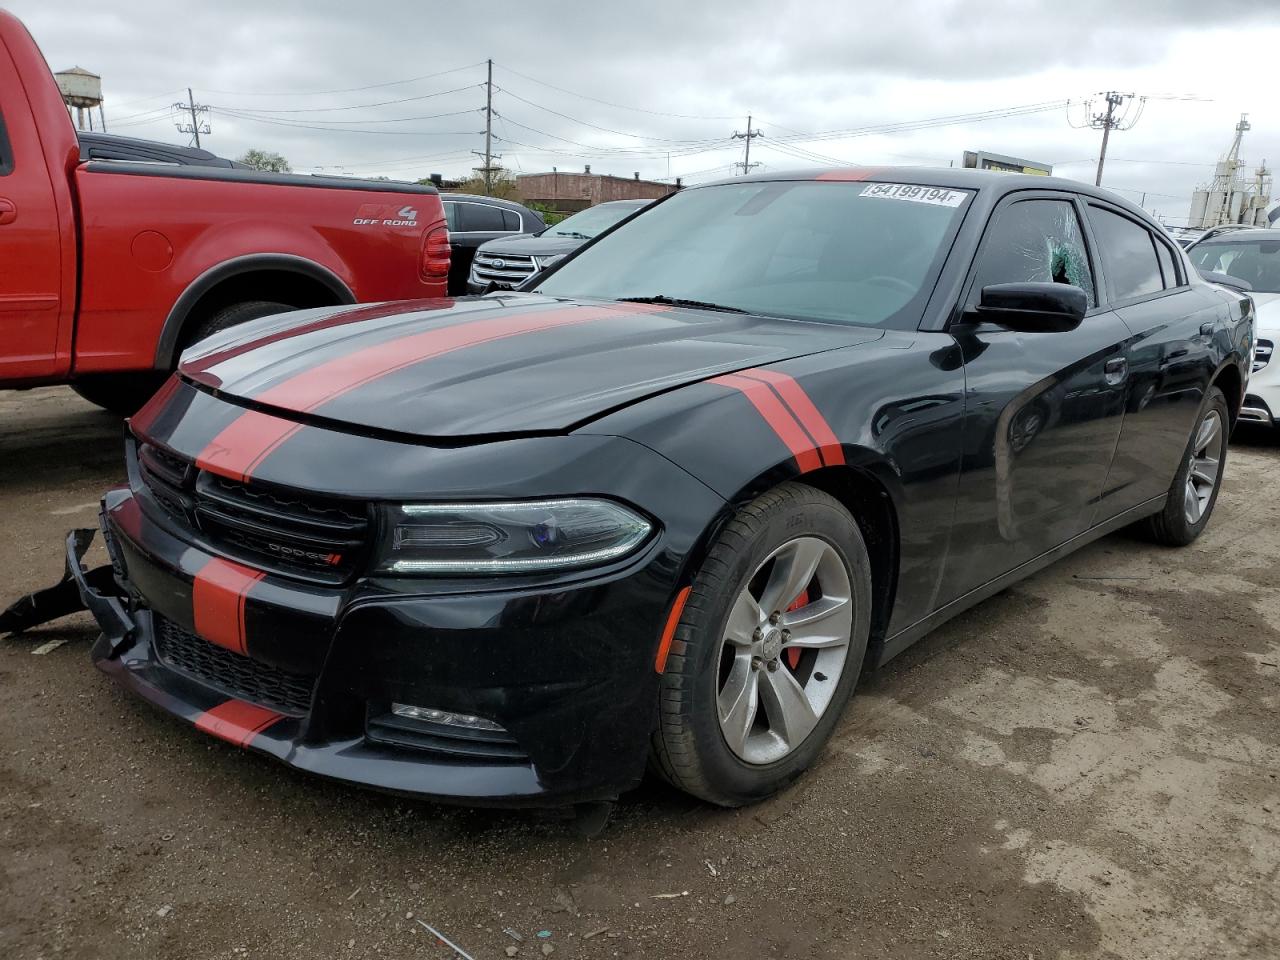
x=430, y=714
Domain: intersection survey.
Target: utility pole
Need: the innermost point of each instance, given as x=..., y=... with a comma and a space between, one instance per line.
x=196, y=126
x=745, y=163
x=1113, y=120
x=488, y=169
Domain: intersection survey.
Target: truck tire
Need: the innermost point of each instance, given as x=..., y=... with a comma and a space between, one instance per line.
x=120, y=393
x=233, y=315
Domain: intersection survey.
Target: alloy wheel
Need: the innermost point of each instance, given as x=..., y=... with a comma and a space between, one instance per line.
x=1205, y=467
x=785, y=645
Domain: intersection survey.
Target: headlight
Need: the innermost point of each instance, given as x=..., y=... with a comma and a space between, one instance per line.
x=544, y=262
x=531, y=536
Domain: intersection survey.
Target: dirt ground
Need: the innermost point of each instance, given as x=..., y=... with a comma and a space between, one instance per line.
x=1083, y=767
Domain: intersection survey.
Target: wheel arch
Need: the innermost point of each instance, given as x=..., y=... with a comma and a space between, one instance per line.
x=275, y=276
x=1231, y=382
x=864, y=486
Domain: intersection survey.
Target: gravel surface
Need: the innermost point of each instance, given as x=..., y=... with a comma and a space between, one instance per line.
x=1084, y=766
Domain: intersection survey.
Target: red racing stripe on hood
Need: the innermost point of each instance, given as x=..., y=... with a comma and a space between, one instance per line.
x=236, y=721
x=779, y=418
x=141, y=421
x=248, y=440
x=198, y=369
x=849, y=174
x=218, y=597
x=810, y=417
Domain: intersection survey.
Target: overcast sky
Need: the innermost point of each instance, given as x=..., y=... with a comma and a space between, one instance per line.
x=678, y=78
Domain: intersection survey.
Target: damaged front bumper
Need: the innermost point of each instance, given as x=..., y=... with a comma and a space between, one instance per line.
x=571, y=687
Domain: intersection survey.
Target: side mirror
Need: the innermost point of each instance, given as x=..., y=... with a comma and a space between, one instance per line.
x=1226, y=280
x=1032, y=307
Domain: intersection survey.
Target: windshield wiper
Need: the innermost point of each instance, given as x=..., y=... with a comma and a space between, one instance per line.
x=680, y=302
x=573, y=234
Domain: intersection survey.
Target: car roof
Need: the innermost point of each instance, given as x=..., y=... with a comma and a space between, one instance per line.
x=960, y=178
x=481, y=198
x=1247, y=235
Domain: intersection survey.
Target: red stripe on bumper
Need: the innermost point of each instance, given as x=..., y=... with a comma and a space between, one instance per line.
x=236, y=721
x=810, y=416
x=218, y=597
x=778, y=417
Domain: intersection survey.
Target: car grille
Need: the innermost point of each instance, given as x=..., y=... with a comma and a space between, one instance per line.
x=1262, y=354
x=267, y=526
x=506, y=270
x=231, y=673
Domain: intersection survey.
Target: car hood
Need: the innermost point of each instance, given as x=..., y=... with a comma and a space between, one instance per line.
x=530, y=246
x=515, y=364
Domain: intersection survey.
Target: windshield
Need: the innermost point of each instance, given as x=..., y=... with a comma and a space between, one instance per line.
x=587, y=223
x=1256, y=262
x=862, y=253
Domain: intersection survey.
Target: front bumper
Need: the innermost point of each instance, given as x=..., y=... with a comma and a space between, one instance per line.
x=1262, y=399
x=567, y=670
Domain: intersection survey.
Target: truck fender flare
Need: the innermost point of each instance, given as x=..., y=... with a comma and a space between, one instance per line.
x=167, y=346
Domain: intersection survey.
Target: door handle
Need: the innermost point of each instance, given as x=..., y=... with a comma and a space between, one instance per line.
x=8, y=212
x=1115, y=370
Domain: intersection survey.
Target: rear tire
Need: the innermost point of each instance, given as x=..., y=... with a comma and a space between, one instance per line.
x=120, y=393
x=1196, y=485
x=698, y=746
x=234, y=315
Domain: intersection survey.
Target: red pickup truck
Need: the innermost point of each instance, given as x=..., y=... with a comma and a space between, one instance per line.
x=109, y=269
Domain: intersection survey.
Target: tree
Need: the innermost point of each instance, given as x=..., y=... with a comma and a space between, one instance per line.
x=265, y=160
x=504, y=186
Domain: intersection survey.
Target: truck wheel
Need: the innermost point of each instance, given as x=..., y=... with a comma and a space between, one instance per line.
x=235, y=314
x=121, y=393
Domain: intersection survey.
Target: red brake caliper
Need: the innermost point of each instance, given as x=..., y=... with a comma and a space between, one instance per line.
x=793, y=653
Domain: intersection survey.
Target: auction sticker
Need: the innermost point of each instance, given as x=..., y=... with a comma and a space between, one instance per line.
x=907, y=191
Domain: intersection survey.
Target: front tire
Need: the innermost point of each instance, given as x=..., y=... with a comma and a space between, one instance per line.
x=1195, y=487
x=768, y=649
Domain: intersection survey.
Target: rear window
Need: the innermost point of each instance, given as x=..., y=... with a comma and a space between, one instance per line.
x=1128, y=255
x=481, y=218
x=510, y=221
x=859, y=253
x=1257, y=262
x=1166, y=265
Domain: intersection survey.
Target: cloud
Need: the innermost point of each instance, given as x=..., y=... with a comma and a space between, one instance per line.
x=817, y=66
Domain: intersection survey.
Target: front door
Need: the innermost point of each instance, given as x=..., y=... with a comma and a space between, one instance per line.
x=1042, y=410
x=30, y=246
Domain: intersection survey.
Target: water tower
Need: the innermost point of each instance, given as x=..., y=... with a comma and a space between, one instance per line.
x=82, y=90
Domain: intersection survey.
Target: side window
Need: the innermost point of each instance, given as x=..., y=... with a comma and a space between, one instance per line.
x=1166, y=266
x=6, y=155
x=510, y=220
x=478, y=217
x=1036, y=241
x=1128, y=255
x=451, y=215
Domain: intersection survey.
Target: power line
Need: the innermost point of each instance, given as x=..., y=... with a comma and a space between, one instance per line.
x=298, y=125
x=608, y=103
x=324, y=93
x=1119, y=115
x=358, y=106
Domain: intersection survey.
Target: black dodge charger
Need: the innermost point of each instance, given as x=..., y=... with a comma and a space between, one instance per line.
x=668, y=503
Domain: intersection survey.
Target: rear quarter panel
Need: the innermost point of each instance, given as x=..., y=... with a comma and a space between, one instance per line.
x=147, y=238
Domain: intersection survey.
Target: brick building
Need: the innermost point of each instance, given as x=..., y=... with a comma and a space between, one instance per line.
x=570, y=192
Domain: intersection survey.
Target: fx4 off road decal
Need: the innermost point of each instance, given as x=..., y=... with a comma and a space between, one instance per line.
x=379, y=214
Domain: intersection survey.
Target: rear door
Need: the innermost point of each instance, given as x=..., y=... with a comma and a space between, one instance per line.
x=1042, y=410
x=30, y=241
x=1170, y=358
